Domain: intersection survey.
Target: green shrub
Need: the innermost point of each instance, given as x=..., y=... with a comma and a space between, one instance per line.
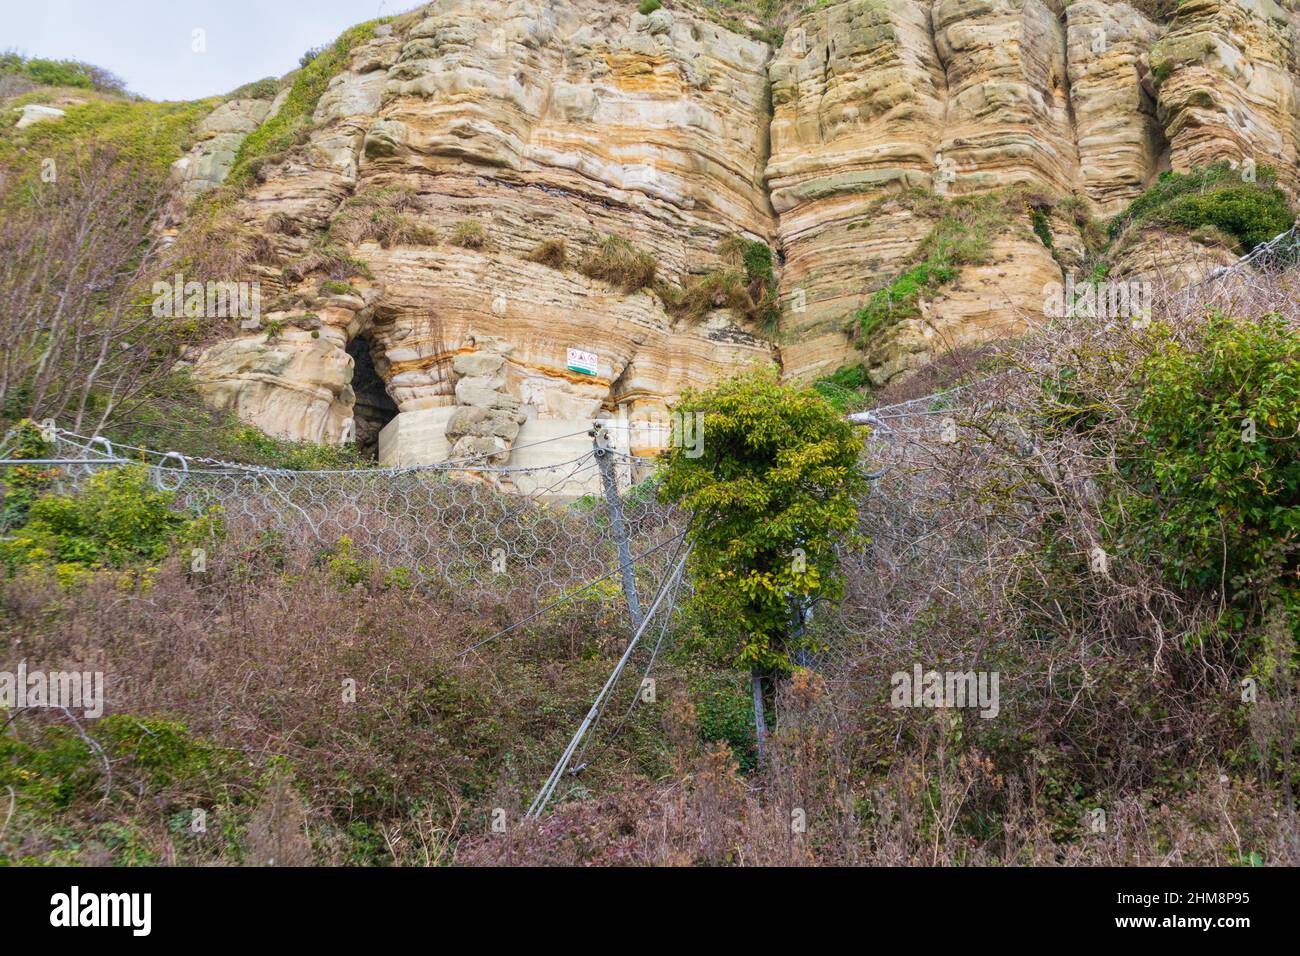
x=60, y=73
x=771, y=491
x=263, y=89
x=1250, y=212
x=118, y=517
x=59, y=766
x=746, y=286
x=899, y=299
x=843, y=387
x=723, y=712
x=335, y=287
x=1042, y=226
x=647, y=7
x=1249, y=215
x=22, y=484
x=252, y=445
x=1214, y=467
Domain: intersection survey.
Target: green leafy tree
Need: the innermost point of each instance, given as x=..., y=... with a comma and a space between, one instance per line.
x=772, y=490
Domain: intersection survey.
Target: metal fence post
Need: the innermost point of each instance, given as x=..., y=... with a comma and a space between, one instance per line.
x=601, y=446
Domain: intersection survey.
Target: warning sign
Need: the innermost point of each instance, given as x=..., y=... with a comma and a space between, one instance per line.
x=584, y=362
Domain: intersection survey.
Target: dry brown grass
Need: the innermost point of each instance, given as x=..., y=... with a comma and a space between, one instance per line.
x=620, y=264
x=387, y=216
x=553, y=253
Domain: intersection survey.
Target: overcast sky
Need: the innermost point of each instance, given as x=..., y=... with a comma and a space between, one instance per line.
x=150, y=43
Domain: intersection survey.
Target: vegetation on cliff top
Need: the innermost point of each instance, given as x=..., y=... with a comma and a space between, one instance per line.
x=150, y=136
x=293, y=120
x=19, y=74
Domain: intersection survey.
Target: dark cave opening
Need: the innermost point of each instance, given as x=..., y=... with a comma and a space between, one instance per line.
x=374, y=407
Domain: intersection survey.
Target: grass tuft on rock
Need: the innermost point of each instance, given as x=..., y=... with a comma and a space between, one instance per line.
x=386, y=216
x=469, y=234
x=621, y=264
x=553, y=253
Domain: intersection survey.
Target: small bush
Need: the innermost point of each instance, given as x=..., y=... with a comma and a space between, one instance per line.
x=746, y=285
x=263, y=89
x=647, y=7
x=721, y=288
x=621, y=264
x=1214, y=493
x=469, y=234
x=550, y=252
x=755, y=257
x=22, y=484
x=724, y=712
x=843, y=387
x=1250, y=212
x=60, y=73
x=334, y=287
x=117, y=518
x=1042, y=226
x=310, y=55
x=250, y=444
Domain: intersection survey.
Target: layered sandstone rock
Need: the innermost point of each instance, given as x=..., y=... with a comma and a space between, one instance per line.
x=858, y=99
x=1120, y=140
x=505, y=124
x=220, y=134
x=1227, y=77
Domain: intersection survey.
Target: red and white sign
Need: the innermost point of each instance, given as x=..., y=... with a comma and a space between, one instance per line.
x=585, y=362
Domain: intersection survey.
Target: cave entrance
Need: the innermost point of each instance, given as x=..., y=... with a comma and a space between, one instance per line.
x=374, y=407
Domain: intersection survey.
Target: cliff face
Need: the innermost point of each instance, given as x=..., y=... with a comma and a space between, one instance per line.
x=490, y=128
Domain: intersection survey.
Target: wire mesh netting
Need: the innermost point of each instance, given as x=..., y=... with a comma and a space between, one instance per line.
x=522, y=534
x=532, y=534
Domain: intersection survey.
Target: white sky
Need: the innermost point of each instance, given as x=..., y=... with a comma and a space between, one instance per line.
x=149, y=42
